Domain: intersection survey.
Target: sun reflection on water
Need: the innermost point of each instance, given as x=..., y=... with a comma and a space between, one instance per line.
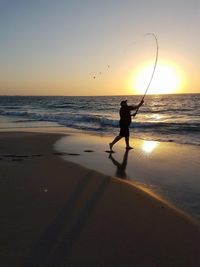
x=156, y=116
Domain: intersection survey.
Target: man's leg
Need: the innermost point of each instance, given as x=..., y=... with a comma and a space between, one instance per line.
x=117, y=138
x=127, y=143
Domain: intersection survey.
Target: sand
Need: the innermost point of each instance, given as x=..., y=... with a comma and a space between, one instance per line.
x=58, y=213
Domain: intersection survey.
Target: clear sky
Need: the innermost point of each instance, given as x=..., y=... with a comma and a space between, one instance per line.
x=98, y=47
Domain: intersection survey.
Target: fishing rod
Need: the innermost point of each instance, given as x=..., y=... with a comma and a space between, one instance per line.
x=152, y=75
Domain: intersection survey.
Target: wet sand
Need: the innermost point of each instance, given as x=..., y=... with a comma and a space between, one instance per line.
x=168, y=169
x=57, y=213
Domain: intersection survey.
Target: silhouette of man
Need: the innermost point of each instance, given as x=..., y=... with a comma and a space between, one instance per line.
x=124, y=123
x=121, y=167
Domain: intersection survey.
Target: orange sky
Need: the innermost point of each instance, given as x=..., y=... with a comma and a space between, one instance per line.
x=64, y=48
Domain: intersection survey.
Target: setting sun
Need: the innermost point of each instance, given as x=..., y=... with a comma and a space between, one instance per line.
x=166, y=80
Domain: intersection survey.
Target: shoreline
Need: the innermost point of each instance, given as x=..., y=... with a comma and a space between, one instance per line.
x=58, y=212
x=65, y=129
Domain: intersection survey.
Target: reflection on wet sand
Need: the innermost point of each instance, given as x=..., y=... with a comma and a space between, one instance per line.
x=149, y=146
x=121, y=167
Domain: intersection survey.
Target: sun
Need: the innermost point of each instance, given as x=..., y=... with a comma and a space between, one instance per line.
x=166, y=79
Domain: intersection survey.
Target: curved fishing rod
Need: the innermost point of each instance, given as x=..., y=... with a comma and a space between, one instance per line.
x=155, y=64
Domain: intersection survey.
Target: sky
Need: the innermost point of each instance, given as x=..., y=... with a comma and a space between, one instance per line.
x=98, y=47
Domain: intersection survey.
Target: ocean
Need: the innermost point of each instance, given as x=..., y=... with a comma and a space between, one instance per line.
x=165, y=118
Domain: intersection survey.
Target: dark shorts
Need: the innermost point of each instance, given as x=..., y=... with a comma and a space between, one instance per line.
x=124, y=130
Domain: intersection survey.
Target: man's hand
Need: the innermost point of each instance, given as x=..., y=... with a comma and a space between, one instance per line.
x=134, y=114
x=142, y=102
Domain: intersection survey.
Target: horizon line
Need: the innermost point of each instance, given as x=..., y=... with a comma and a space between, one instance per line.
x=4, y=95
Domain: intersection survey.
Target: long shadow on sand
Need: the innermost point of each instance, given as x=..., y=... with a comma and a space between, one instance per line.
x=54, y=246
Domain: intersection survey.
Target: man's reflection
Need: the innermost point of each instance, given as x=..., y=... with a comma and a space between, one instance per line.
x=121, y=167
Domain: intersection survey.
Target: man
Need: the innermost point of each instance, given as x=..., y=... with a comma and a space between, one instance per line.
x=124, y=123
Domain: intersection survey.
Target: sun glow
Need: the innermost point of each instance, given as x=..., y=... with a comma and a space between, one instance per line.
x=149, y=146
x=166, y=80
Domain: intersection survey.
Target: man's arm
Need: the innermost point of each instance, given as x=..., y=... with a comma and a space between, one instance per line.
x=137, y=106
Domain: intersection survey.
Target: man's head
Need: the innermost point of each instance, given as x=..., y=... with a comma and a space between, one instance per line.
x=123, y=103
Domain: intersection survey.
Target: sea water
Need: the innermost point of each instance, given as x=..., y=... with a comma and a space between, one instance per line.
x=171, y=118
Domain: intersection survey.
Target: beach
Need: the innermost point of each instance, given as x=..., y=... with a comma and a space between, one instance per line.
x=55, y=212
x=76, y=77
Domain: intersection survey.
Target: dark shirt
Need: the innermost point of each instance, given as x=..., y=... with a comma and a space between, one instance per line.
x=125, y=114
